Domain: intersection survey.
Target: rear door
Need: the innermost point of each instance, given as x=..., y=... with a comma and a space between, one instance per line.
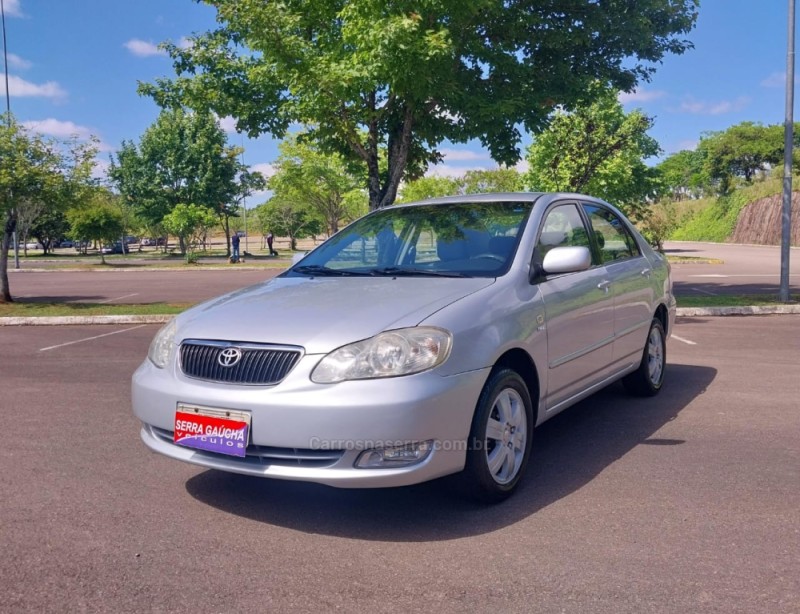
x=630, y=272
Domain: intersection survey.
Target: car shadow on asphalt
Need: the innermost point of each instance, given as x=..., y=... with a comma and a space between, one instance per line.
x=569, y=451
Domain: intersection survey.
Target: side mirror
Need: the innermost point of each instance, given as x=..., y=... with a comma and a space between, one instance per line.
x=567, y=260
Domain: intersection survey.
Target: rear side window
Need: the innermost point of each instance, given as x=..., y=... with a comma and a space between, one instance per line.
x=613, y=238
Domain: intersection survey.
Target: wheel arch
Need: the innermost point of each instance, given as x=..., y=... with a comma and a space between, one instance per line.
x=519, y=360
x=663, y=316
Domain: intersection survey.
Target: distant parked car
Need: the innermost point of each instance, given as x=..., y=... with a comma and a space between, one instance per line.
x=150, y=241
x=130, y=239
x=116, y=248
x=67, y=243
x=33, y=245
x=422, y=340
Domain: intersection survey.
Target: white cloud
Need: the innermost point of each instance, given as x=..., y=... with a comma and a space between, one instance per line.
x=143, y=49
x=12, y=8
x=14, y=61
x=463, y=155
x=185, y=43
x=266, y=169
x=448, y=170
x=698, y=107
x=228, y=124
x=21, y=88
x=64, y=130
x=100, y=168
x=57, y=128
x=776, y=79
x=640, y=95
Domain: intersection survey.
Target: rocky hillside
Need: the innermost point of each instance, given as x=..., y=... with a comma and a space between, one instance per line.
x=760, y=221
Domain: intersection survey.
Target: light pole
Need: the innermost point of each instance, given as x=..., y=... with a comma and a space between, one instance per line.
x=244, y=205
x=788, y=141
x=8, y=121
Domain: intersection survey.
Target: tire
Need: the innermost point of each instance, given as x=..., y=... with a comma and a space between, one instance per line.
x=500, y=438
x=648, y=378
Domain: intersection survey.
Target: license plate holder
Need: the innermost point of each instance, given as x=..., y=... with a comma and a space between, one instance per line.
x=224, y=431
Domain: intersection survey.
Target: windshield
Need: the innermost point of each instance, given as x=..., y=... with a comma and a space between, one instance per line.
x=451, y=240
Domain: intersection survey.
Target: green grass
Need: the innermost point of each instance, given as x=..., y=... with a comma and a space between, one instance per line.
x=714, y=219
x=735, y=300
x=36, y=309
x=693, y=260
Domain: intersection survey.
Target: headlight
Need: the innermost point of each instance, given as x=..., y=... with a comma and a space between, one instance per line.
x=161, y=345
x=397, y=352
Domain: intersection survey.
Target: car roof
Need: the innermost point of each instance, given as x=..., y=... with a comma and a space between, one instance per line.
x=502, y=197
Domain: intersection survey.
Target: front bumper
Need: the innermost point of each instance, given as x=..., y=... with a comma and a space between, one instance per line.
x=311, y=432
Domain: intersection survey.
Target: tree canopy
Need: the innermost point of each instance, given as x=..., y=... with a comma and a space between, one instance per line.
x=597, y=149
x=39, y=177
x=182, y=158
x=390, y=77
x=472, y=182
x=321, y=180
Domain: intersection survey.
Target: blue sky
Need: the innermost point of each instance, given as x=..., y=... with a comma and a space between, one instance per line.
x=74, y=66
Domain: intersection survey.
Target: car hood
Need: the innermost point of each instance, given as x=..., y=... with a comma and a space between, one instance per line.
x=321, y=314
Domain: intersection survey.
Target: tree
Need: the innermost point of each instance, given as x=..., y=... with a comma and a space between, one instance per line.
x=366, y=76
x=741, y=152
x=247, y=182
x=597, y=149
x=681, y=175
x=288, y=219
x=37, y=175
x=182, y=158
x=472, y=182
x=428, y=187
x=496, y=180
x=98, y=221
x=323, y=180
x=189, y=223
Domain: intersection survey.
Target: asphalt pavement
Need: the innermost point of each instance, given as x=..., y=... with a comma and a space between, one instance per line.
x=687, y=502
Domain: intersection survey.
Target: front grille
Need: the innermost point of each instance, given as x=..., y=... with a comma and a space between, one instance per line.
x=263, y=365
x=268, y=455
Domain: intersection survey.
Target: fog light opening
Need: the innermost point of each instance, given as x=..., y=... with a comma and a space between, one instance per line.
x=396, y=456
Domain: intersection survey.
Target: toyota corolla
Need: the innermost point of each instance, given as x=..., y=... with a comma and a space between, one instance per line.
x=422, y=340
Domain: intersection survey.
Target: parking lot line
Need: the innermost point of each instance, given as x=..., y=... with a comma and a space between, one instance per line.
x=61, y=345
x=682, y=340
x=108, y=300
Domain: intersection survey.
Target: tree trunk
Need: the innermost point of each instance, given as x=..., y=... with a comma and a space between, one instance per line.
x=5, y=243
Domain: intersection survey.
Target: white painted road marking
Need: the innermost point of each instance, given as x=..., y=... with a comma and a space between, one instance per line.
x=705, y=291
x=682, y=340
x=61, y=345
x=119, y=297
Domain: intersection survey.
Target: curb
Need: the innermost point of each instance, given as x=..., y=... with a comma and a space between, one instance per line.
x=68, y=320
x=160, y=319
x=755, y=310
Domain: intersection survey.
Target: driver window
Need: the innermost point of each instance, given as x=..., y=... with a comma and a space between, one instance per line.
x=562, y=227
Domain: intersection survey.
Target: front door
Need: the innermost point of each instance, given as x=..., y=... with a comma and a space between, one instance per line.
x=579, y=311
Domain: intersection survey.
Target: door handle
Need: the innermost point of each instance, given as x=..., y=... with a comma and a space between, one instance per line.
x=646, y=272
x=603, y=285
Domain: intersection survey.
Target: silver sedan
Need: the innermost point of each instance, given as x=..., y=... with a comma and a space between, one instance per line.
x=420, y=341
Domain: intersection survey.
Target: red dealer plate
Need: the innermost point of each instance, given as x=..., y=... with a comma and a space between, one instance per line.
x=224, y=431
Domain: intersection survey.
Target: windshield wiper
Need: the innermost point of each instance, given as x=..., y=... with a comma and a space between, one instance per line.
x=316, y=269
x=394, y=271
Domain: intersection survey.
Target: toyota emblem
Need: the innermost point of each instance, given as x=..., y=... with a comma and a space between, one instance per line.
x=229, y=357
